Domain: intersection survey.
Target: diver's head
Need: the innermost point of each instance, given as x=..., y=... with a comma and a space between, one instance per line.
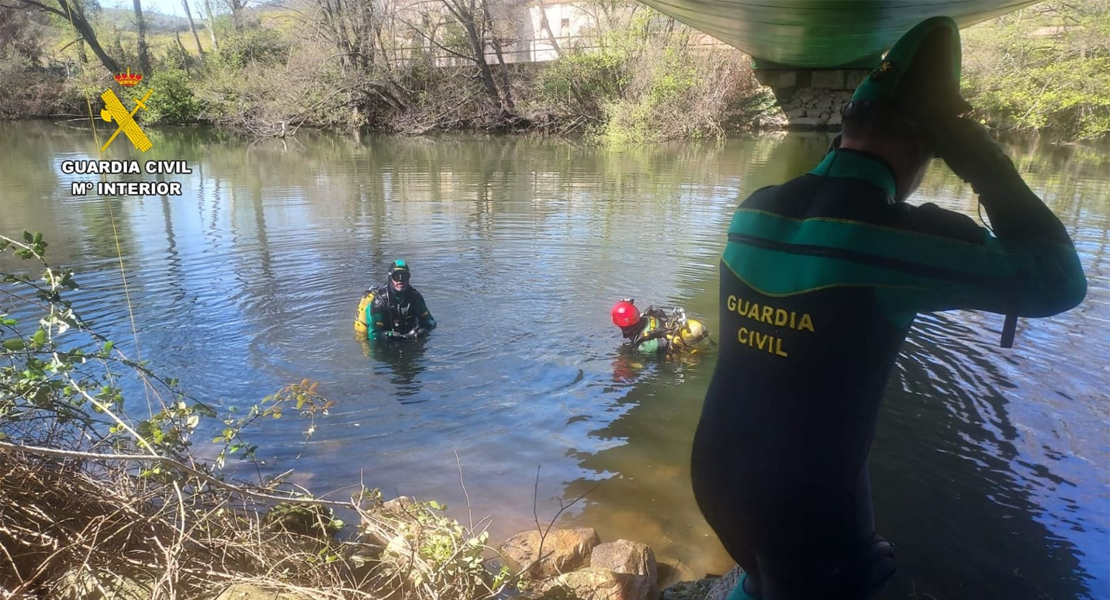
x=399, y=275
x=894, y=111
x=626, y=316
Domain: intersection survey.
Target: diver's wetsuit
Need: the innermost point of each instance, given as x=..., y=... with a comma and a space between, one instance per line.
x=401, y=312
x=648, y=335
x=820, y=281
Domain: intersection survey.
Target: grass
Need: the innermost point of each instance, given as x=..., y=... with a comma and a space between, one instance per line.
x=161, y=43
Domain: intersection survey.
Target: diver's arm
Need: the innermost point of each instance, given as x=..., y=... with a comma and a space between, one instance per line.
x=1015, y=212
x=651, y=345
x=654, y=342
x=1031, y=269
x=655, y=334
x=959, y=265
x=376, y=321
x=427, y=321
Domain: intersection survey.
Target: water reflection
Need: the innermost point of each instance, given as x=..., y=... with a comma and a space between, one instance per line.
x=627, y=367
x=404, y=361
x=989, y=468
x=952, y=476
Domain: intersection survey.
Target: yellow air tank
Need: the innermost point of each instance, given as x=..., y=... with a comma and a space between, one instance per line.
x=360, y=317
x=690, y=336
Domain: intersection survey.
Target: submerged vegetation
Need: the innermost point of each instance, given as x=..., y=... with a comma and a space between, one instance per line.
x=621, y=71
x=97, y=503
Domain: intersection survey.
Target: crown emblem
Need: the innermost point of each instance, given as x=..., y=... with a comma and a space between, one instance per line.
x=128, y=79
x=882, y=69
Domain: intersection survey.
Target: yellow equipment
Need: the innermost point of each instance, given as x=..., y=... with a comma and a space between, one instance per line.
x=360, y=318
x=689, y=335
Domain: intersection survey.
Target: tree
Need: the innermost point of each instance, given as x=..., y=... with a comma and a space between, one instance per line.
x=497, y=41
x=351, y=25
x=140, y=24
x=547, y=29
x=72, y=12
x=474, y=19
x=21, y=34
x=1044, y=68
x=237, y=7
x=192, y=25
x=211, y=24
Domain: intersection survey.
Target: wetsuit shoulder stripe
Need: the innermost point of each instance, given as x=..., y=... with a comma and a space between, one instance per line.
x=872, y=260
x=855, y=223
x=817, y=287
x=992, y=258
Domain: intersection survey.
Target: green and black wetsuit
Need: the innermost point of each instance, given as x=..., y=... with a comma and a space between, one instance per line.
x=400, y=312
x=648, y=335
x=820, y=281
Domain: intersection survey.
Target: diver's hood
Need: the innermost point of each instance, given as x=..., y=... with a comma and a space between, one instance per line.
x=920, y=76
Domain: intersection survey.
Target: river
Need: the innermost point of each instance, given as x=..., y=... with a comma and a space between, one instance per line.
x=990, y=468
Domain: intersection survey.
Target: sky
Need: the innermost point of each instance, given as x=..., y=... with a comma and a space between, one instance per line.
x=166, y=7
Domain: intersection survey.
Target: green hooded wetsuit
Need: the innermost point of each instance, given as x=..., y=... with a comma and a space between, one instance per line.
x=820, y=281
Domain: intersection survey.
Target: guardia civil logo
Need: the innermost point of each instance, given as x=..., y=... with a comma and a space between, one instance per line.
x=115, y=111
x=125, y=121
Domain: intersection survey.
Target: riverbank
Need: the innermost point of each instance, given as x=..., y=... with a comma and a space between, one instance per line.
x=79, y=527
x=639, y=78
x=628, y=75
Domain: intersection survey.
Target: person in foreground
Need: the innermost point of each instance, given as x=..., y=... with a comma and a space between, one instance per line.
x=821, y=280
x=395, y=310
x=658, y=331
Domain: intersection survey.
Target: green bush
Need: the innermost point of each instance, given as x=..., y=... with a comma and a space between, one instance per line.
x=585, y=81
x=676, y=76
x=684, y=92
x=1070, y=97
x=645, y=82
x=172, y=101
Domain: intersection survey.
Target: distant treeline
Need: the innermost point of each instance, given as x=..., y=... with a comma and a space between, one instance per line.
x=1044, y=68
x=625, y=72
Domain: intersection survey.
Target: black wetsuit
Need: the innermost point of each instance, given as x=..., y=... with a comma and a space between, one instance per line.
x=820, y=281
x=399, y=312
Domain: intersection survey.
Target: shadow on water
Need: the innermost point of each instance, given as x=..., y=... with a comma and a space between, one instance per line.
x=951, y=477
x=651, y=464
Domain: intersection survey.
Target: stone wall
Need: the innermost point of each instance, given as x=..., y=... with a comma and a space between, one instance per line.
x=811, y=99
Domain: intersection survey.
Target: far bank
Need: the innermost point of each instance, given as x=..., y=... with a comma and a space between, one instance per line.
x=616, y=72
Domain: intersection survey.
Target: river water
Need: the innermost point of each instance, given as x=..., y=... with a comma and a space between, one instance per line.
x=990, y=468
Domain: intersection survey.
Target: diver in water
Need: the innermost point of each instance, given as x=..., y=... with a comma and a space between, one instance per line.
x=821, y=279
x=657, y=331
x=395, y=310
